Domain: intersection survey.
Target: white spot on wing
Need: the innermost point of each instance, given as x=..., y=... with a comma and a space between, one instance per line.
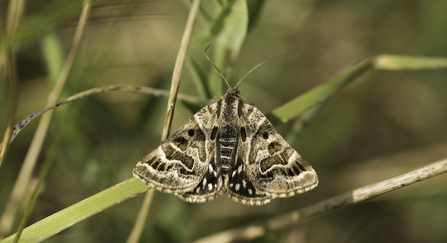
x=239, y=170
x=237, y=186
x=244, y=184
x=250, y=192
x=210, y=186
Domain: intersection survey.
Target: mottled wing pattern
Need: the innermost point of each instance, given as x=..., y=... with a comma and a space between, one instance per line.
x=241, y=187
x=270, y=167
x=210, y=185
x=181, y=162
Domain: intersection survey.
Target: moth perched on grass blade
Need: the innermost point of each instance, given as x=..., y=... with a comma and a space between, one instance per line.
x=228, y=145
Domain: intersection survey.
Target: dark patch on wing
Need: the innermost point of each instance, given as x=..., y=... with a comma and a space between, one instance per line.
x=181, y=143
x=274, y=147
x=155, y=162
x=243, y=134
x=241, y=187
x=172, y=154
x=191, y=132
x=301, y=166
x=296, y=170
x=268, y=163
x=265, y=135
x=199, y=136
x=204, y=190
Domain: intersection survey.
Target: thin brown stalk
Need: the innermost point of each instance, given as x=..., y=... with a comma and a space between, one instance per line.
x=12, y=80
x=175, y=83
x=178, y=67
x=36, y=145
x=361, y=194
x=144, y=210
x=15, y=12
x=123, y=88
x=14, y=15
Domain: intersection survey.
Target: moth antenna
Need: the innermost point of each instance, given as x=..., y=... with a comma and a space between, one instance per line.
x=257, y=67
x=216, y=67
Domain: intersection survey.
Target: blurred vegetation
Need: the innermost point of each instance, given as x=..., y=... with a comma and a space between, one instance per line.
x=385, y=124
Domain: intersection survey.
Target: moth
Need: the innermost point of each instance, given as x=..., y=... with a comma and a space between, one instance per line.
x=229, y=145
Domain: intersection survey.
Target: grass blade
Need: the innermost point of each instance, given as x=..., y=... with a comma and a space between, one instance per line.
x=77, y=212
x=313, y=97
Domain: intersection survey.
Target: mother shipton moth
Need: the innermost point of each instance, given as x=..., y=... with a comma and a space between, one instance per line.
x=229, y=145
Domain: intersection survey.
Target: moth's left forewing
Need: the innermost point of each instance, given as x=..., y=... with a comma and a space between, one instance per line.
x=274, y=167
x=211, y=182
x=178, y=164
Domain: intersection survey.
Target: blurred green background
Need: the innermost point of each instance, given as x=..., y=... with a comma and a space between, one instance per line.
x=384, y=124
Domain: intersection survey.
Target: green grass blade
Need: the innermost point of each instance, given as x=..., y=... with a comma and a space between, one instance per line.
x=313, y=97
x=67, y=217
x=319, y=94
x=44, y=172
x=52, y=53
x=394, y=62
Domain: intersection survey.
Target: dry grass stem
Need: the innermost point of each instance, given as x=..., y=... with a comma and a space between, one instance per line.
x=144, y=210
x=178, y=67
x=123, y=88
x=15, y=12
x=175, y=83
x=36, y=145
x=12, y=79
x=340, y=201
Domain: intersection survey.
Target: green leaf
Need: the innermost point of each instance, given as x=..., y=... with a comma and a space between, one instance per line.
x=67, y=217
x=199, y=78
x=227, y=33
x=254, y=10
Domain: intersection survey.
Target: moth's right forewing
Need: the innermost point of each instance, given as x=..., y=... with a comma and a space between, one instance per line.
x=241, y=186
x=274, y=167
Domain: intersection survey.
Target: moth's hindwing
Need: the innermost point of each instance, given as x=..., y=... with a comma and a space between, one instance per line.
x=180, y=163
x=208, y=188
x=272, y=165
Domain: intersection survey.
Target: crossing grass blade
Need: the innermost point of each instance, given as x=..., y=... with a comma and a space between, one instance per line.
x=67, y=217
x=321, y=93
